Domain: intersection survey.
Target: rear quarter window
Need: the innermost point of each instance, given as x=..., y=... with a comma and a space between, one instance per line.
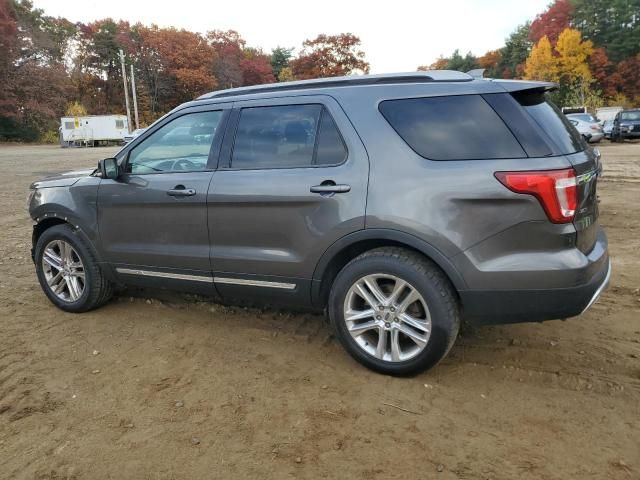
x=451, y=128
x=551, y=120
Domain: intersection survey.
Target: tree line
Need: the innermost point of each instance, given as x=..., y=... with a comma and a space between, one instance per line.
x=50, y=66
x=591, y=48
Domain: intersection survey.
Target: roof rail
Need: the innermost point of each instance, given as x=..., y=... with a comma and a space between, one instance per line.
x=351, y=80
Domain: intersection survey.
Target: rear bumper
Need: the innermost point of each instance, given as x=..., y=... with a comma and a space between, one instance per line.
x=566, y=291
x=514, y=306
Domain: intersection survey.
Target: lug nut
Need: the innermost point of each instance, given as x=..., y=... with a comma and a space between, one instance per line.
x=387, y=324
x=393, y=309
x=378, y=317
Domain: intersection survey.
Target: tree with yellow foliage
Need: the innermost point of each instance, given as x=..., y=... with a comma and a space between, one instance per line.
x=542, y=64
x=573, y=55
x=567, y=65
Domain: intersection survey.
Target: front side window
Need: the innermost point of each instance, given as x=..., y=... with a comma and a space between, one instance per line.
x=181, y=145
x=119, y=124
x=451, y=128
x=287, y=136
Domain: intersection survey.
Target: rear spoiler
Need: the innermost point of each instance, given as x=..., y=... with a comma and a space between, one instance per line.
x=519, y=85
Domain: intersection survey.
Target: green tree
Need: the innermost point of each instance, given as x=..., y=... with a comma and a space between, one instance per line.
x=460, y=63
x=280, y=57
x=614, y=24
x=515, y=52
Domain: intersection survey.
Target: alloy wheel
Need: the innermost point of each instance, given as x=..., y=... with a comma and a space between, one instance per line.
x=387, y=317
x=63, y=270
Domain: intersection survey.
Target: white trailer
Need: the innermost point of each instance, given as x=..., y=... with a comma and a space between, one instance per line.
x=92, y=129
x=607, y=113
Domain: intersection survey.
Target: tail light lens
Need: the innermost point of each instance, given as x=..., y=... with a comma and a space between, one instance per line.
x=555, y=189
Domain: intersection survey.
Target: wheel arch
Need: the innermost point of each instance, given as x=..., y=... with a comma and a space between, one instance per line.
x=350, y=246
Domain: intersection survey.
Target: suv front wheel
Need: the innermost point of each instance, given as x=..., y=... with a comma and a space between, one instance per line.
x=394, y=311
x=68, y=271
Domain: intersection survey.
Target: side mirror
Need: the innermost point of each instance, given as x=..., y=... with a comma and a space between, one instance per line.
x=109, y=168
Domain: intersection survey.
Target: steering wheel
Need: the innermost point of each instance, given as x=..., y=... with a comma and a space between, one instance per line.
x=184, y=164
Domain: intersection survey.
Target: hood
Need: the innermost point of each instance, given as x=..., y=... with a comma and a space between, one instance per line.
x=65, y=179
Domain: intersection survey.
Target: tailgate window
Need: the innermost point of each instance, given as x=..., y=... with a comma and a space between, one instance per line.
x=551, y=120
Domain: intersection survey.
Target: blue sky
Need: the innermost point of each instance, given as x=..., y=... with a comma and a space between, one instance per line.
x=397, y=35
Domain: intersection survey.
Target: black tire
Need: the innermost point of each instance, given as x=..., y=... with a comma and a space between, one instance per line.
x=97, y=289
x=427, y=279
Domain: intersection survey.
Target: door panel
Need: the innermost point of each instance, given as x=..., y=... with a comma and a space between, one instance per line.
x=154, y=216
x=141, y=224
x=268, y=224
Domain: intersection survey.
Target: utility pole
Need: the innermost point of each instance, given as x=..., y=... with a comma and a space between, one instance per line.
x=126, y=91
x=135, y=98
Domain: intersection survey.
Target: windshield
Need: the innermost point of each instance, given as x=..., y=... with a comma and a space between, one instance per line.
x=634, y=116
x=550, y=119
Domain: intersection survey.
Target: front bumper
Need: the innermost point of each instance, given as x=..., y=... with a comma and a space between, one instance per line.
x=514, y=306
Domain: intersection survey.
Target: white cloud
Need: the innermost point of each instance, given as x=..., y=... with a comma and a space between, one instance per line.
x=397, y=35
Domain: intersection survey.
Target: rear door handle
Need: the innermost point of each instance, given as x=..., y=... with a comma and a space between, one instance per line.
x=180, y=191
x=330, y=188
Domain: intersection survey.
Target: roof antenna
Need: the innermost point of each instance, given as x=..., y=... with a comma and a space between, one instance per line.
x=477, y=73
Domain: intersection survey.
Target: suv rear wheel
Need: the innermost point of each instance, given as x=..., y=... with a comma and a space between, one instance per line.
x=394, y=311
x=68, y=271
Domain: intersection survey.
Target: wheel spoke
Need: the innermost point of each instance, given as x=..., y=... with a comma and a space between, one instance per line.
x=416, y=337
x=57, y=278
x=422, y=325
x=373, y=287
x=360, y=328
x=411, y=297
x=74, y=288
x=366, y=296
x=395, y=345
x=397, y=290
x=52, y=259
x=353, y=315
x=59, y=287
x=381, y=348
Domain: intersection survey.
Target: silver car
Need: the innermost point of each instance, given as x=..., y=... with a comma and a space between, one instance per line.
x=592, y=132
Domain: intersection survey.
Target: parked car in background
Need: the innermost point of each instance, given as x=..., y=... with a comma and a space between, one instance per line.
x=130, y=136
x=347, y=195
x=626, y=125
x=590, y=131
x=584, y=117
x=607, y=128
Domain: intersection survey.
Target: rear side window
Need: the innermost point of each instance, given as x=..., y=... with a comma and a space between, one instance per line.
x=287, y=136
x=451, y=128
x=551, y=120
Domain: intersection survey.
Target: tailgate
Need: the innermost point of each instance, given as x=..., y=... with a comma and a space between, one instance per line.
x=588, y=168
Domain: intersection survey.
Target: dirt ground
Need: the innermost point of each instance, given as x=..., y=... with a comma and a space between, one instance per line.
x=158, y=387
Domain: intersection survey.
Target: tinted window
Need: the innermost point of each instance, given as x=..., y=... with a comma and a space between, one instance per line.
x=330, y=149
x=272, y=137
x=120, y=124
x=630, y=116
x=451, y=128
x=181, y=145
x=550, y=119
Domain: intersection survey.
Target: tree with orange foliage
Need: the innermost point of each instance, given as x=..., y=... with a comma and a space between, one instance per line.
x=330, y=56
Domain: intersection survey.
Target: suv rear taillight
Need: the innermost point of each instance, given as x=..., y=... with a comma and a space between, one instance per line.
x=555, y=189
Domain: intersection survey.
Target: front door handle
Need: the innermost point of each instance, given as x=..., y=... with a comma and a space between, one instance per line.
x=326, y=188
x=180, y=191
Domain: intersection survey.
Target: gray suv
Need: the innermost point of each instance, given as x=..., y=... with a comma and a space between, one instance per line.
x=399, y=204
